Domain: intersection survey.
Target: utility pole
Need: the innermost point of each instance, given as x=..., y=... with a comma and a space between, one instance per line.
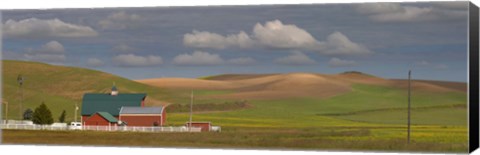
x=20, y=83
x=409, y=91
x=191, y=111
x=75, y=116
x=6, y=110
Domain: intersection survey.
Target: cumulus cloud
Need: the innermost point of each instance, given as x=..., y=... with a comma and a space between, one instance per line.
x=39, y=28
x=198, y=58
x=131, y=60
x=94, y=62
x=339, y=44
x=52, y=51
x=120, y=20
x=296, y=58
x=242, y=61
x=204, y=39
x=394, y=12
x=336, y=62
x=275, y=34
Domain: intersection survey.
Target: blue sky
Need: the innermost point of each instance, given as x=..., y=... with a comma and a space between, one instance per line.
x=383, y=39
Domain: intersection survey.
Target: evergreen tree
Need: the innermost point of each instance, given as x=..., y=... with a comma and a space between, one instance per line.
x=42, y=115
x=28, y=114
x=61, y=119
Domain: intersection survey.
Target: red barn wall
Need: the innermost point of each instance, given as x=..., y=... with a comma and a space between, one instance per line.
x=97, y=120
x=85, y=118
x=141, y=120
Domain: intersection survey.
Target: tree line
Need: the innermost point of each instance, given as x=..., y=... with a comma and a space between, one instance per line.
x=42, y=115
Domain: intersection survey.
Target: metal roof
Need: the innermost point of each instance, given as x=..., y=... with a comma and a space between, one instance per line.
x=108, y=117
x=93, y=103
x=141, y=110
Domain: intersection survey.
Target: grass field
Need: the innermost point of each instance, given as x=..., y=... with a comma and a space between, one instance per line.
x=61, y=87
x=333, y=138
x=369, y=117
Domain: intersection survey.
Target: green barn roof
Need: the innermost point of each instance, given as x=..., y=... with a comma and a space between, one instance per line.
x=108, y=117
x=93, y=103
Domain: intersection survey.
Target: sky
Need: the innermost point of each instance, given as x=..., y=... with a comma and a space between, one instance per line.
x=382, y=39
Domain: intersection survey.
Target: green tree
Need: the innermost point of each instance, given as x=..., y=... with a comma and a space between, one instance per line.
x=61, y=119
x=42, y=115
x=28, y=114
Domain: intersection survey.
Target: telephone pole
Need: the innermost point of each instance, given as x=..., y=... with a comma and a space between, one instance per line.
x=409, y=91
x=20, y=83
x=191, y=111
x=75, y=116
x=6, y=110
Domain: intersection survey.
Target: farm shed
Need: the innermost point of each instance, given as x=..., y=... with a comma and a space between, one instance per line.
x=143, y=116
x=101, y=119
x=205, y=126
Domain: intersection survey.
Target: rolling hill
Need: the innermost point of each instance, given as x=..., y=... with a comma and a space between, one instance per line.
x=275, y=86
x=61, y=87
x=293, y=109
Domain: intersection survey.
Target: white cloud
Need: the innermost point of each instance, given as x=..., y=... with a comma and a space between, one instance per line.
x=39, y=28
x=204, y=39
x=94, y=62
x=123, y=48
x=131, y=60
x=52, y=47
x=242, y=61
x=52, y=51
x=198, y=58
x=336, y=62
x=339, y=44
x=275, y=34
x=296, y=58
x=394, y=12
x=120, y=20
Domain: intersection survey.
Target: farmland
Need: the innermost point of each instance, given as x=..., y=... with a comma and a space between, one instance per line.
x=351, y=111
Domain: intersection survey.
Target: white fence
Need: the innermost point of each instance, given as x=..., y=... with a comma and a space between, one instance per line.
x=141, y=129
x=31, y=127
x=99, y=128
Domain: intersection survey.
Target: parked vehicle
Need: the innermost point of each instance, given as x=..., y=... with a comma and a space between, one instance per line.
x=75, y=126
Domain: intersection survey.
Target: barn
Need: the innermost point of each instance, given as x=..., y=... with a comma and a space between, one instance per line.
x=142, y=116
x=104, y=109
x=101, y=119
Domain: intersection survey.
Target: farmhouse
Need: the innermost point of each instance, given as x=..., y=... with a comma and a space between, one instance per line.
x=120, y=108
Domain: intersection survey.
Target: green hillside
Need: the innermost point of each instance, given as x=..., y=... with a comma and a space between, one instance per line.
x=367, y=117
x=61, y=87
